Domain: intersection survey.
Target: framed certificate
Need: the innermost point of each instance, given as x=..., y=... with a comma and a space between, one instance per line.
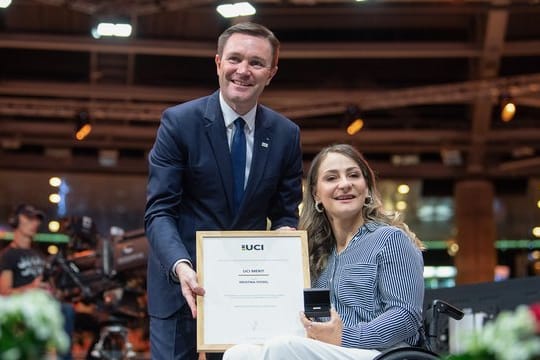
x=254, y=283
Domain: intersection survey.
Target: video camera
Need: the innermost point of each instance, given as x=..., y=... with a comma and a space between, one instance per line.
x=85, y=273
x=90, y=272
x=107, y=272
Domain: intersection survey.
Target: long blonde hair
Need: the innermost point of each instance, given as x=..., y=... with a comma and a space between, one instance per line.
x=320, y=236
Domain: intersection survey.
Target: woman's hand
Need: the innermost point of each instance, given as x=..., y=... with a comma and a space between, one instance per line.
x=329, y=332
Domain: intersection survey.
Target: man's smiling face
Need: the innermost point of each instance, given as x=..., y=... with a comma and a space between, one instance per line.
x=244, y=69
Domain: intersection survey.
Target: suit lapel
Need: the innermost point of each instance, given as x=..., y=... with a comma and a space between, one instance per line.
x=261, y=147
x=217, y=137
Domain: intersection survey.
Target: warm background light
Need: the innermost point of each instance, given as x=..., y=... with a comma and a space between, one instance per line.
x=355, y=126
x=54, y=226
x=54, y=198
x=401, y=205
x=536, y=231
x=403, y=189
x=508, y=111
x=52, y=249
x=55, y=181
x=83, y=132
x=453, y=248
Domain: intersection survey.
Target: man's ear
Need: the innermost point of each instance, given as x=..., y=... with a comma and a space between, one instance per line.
x=273, y=72
x=217, y=60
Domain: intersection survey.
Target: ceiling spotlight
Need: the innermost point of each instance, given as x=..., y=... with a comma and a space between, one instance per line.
x=110, y=29
x=4, y=4
x=235, y=10
x=82, y=125
x=508, y=108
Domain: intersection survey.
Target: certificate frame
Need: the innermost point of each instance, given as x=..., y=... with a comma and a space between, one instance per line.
x=254, y=283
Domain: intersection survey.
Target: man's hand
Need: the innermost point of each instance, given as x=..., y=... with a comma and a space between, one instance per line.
x=189, y=285
x=329, y=332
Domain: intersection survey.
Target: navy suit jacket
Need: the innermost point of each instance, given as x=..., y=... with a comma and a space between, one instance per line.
x=190, y=187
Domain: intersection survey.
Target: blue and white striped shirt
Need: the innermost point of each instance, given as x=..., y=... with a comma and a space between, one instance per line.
x=377, y=287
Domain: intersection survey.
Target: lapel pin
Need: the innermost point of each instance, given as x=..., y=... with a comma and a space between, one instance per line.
x=263, y=144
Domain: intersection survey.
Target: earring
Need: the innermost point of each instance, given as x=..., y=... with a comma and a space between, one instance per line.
x=318, y=207
x=368, y=200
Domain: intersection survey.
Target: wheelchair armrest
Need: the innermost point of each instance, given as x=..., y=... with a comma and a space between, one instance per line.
x=432, y=324
x=442, y=307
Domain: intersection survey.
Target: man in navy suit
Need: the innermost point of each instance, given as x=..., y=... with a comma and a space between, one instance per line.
x=191, y=185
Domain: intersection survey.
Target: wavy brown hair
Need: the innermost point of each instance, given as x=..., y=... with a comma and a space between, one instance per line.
x=320, y=236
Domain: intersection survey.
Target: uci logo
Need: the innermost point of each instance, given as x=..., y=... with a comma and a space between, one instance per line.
x=257, y=247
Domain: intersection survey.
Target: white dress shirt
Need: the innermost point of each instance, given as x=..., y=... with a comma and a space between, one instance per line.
x=229, y=116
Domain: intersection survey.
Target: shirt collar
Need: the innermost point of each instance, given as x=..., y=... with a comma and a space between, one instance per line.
x=369, y=226
x=229, y=115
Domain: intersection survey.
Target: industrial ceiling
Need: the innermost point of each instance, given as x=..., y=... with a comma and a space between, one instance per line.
x=426, y=76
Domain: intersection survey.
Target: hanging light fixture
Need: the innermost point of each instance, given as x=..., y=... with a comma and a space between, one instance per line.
x=508, y=108
x=82, y=125
x=356, y=123
x=355, y=126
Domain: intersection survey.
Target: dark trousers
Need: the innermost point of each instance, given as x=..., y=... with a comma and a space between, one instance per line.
x=175, y=337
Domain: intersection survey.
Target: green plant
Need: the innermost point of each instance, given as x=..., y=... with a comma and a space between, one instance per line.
x=513, y=335
x=31, y=324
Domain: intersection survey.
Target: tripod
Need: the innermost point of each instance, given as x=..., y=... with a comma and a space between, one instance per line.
x=113, y=343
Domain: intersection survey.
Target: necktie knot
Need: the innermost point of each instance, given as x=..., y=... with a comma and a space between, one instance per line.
x=239, y=124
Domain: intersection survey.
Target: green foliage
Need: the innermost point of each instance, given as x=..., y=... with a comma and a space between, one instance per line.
x=31, y=324
x=511, y=336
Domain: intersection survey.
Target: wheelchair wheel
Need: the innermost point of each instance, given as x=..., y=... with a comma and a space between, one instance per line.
x=407, y=353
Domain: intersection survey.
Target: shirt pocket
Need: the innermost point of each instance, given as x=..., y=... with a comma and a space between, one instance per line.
x=357, y=285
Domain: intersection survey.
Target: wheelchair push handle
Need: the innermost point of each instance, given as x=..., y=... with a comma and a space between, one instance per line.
x=442, y=307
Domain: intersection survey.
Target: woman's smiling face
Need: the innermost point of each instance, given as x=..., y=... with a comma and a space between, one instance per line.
x=341, y=186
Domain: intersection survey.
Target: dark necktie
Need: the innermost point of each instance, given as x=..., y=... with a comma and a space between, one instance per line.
x=238, y=156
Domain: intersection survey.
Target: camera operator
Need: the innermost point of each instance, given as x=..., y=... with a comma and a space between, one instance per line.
x=22, y=267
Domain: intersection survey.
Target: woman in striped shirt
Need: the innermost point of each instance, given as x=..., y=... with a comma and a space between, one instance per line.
x=366, y=256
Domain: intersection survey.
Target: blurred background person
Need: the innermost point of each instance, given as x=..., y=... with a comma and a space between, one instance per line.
x=22, y=267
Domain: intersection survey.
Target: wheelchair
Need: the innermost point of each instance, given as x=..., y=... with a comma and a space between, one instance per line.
x=430, y=343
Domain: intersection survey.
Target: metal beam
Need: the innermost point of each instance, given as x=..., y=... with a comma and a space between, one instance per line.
x=145, y=103
x=290, y=50
x=488, y=68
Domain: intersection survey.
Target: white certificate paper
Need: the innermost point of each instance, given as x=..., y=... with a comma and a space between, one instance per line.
x=254, y=282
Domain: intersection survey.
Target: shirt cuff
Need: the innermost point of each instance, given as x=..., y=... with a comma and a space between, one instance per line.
x=173, y=270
